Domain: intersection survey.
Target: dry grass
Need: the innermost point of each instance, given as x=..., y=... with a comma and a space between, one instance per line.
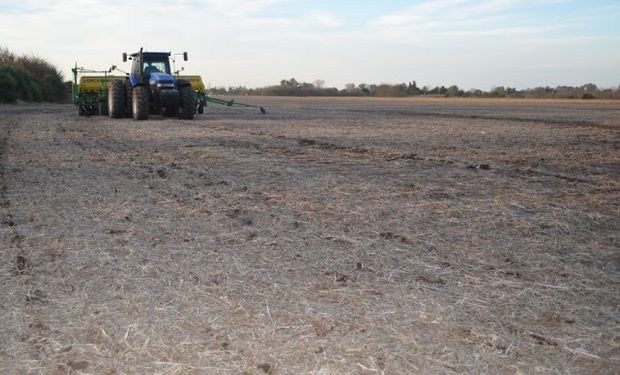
x=329, y=236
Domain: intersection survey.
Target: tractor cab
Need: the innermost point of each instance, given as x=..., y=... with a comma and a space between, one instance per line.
x=146, y=63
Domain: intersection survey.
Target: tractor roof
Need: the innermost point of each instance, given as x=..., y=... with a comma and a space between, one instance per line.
x=150, y=54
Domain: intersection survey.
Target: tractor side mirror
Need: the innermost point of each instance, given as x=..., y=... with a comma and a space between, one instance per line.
x=185, y=56
x=124, y=56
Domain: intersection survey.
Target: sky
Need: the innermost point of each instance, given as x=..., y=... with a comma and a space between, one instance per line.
x=473, y=44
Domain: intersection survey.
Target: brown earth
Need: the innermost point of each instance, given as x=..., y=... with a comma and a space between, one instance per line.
x=327, y=236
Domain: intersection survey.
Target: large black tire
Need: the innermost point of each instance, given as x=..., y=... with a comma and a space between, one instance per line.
x=116, y=99
x=140, y=103
x=188, y=101
x=129, y=91
x=103, y=109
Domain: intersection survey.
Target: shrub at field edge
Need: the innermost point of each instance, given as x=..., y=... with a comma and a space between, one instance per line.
x=29, y=78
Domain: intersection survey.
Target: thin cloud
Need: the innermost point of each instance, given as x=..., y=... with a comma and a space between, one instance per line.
x=449, y=11
x=241, y=7
x=416, y=13
x=324, y=19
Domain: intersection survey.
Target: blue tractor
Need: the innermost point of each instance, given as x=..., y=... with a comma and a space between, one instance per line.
x=151, y=88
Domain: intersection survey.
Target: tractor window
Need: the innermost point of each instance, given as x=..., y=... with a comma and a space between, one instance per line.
x=149, y=67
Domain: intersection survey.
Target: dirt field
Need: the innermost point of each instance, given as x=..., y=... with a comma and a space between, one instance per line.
x=327, y=236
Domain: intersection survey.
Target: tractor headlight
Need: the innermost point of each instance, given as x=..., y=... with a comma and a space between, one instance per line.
x=165, y=85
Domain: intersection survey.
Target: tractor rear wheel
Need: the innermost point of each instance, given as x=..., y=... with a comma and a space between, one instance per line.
x=103, y=109
x=188, y=102
x=116, y=99
x=140, y=103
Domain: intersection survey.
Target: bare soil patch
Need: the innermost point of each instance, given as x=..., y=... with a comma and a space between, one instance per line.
x=327, y=236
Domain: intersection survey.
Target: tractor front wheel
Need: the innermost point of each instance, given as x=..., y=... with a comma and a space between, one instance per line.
x=140, y=103
x=116, y=99
x=188, y=103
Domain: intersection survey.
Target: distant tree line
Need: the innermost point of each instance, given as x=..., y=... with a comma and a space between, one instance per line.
x=29, y=78
x=293, y=87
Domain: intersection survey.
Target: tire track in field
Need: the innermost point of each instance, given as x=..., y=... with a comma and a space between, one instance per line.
x=465, y=116
x=27, y=296
x=7, y=220
x=4, y=199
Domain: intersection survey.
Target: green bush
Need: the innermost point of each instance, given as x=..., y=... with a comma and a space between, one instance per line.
x=8, y=87
x=29, y=78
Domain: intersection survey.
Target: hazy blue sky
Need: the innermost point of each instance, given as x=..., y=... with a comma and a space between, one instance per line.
x=474, y=44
